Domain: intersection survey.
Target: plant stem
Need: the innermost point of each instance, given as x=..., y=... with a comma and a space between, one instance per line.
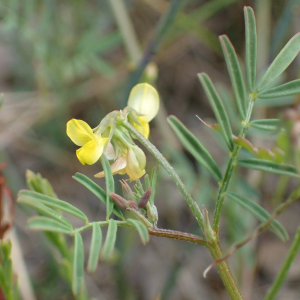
x=153, y=150
x=224, y=271
x=295, y=247
x=230, y=167
x=178, y=235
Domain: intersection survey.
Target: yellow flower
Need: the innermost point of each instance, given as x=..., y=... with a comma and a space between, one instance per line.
x=132, y=162
x=145, y=100
x=82, y=135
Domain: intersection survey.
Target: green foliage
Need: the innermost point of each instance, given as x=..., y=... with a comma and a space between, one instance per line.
x=260, y=214
x=281, y=62
x=48, y=224
x=195, y=147
x=251, y=47
x=286, y=89
x=95, y=248
x=266, y=124
x=97, y=191
x=78, y=264
x=52, y=202
x=142, y=230
x=218, y=108
x=110, y=185
x=268, y=166
x=110, y=239
x=8, y=283
x=235, y=74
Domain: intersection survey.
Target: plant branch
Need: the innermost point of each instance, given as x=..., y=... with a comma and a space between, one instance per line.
x=153, y=150
x=230, y=167
x=259, y=229
x=178, y=235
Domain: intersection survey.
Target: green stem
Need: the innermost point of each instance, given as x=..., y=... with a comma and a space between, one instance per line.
x=230, y=167
x=153, y=150
x=224, y=271
x=295, y=247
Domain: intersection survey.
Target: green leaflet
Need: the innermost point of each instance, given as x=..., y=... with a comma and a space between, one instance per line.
x=95, y=248
x=78, y=264
x=110, y=185
x=110, y=239
x=286, y=89
x=281, y=62
x=142, y=230
x=53, y=202
x=195, y=147
x=48, y=224
x=96, y=190
x=218, y=108
x=260, y=213
x=267, y=124
x=268, y=166
x=45, y=210
x=251, y=47
x=235, y=74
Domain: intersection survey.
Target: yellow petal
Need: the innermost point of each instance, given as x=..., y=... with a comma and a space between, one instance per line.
x=89, y=153
x=110, y=152
x=118, y=167
x=145, y=100
x=144, y=129
x=79, y=132
x=136, y=162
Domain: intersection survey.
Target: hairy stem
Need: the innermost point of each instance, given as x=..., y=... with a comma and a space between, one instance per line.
x=153, y=150
x=225, y=273
x=230, y=167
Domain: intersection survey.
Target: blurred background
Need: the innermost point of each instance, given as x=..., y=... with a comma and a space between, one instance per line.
x=79, y=59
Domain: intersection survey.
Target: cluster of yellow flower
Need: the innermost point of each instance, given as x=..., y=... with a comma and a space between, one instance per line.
x=112, y=139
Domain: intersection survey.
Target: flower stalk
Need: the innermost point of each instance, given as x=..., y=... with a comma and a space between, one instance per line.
x=153, y=150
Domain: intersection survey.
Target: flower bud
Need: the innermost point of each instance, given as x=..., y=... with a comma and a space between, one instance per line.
x=127, y=192
x=145, y=198
x=120, y=201
x=133, y=205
